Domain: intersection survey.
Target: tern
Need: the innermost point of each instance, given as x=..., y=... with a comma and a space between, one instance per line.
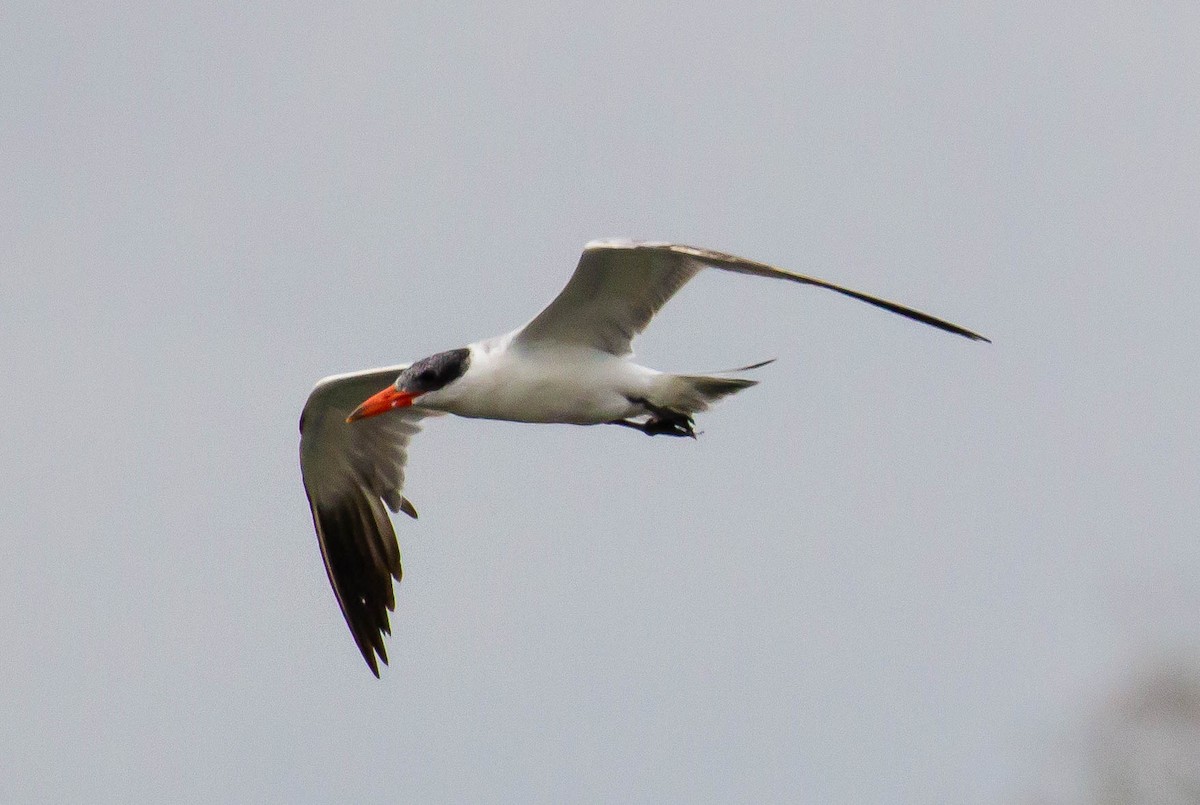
x=570, y=364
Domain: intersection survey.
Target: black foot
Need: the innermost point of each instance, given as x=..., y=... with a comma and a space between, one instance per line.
x=660, y=427
x=675, y=426
x=663, y=422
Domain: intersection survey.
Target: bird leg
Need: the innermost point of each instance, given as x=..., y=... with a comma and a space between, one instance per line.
x=662, y=422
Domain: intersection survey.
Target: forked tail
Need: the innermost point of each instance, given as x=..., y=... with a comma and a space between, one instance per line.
x=690, y=394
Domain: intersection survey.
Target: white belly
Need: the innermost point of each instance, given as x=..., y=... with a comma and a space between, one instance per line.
x=574, y=387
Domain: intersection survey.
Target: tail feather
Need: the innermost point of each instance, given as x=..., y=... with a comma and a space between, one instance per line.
x=689, y=394
x=758, y=365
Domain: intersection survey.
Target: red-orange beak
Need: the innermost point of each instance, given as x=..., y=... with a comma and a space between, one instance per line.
x=382, y=402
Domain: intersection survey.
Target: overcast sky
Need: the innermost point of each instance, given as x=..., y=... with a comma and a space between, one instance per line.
x=905, y=568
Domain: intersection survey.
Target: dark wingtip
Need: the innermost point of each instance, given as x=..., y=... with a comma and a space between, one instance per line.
x=374, y=654
x=361, y=569
x=925, y=318
x=369, y=652
x=907, y=312
x=968, y=334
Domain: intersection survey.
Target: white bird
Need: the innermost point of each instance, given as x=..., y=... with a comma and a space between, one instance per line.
x=571, y=364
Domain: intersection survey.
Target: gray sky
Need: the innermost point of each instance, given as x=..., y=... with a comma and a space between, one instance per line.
x=904, y=568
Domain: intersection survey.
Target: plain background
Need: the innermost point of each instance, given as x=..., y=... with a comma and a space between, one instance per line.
x=905, y=568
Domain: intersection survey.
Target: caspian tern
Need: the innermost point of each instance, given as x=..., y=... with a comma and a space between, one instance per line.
x=571, y=364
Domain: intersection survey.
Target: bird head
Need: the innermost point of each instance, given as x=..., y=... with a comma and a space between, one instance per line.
x=426, y=375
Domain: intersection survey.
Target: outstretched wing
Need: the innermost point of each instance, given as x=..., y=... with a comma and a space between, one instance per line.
x=350, y=471
x=618, y=286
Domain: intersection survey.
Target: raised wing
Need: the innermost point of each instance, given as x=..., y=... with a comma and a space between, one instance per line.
x=350, y=471
x=618, y=286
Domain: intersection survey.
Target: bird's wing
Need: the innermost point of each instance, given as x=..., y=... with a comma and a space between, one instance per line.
x=618, y=286
x=350, y=471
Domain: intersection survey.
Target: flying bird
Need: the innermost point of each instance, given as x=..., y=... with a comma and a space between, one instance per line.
x=571, y=364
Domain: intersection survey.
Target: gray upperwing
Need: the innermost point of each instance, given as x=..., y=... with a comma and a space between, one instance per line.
x=612, y=296
x=618, y=286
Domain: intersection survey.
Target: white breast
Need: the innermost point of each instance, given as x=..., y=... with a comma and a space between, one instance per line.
x=572, y=385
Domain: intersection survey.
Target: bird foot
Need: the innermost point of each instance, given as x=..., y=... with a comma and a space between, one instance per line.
x=678, y=425
x=673, y=425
